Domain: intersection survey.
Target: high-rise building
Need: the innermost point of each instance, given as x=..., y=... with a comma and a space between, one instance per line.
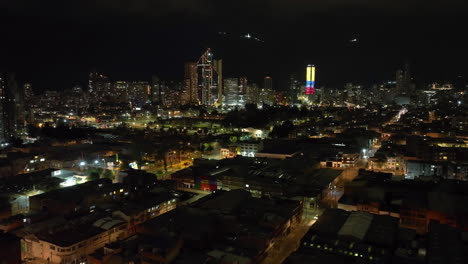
x=404, y=83
x=190, y=92
x=310, y=79
x=3, y=113
x=295, y=90
x=28, y=92
x=99, y=85
x=209, y=79
x=14, y=107
x=218, y=65
x=268, y=83
x=252, y=94
x=157, y=91
x=120, y=91
x=266, y=95
x=231, y=92
x=138, y=92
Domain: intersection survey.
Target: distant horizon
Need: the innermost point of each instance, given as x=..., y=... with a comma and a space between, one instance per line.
x=55, y=47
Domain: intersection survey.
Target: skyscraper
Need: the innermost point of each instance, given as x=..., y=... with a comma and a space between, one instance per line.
x=218, y=65
x=231, y=92
x=404, y=83
x=268, y=83
x=28, y=92
x=190, y=93
x=209, y=81
x=252, y=94
x=295, y=90
x=14, y=115
x=157, y=91
x=310, y=79
x=3, y=113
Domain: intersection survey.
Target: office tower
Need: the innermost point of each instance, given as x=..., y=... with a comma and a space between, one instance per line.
x=218, y=65
x=252, y=94
x=190, y=91
x=404, y=83
x=310, y=79
x=231, y=91
x=99, y=85
x=120, y=91
x=295, y=90
x=14, y=106
x=28, y=92
x=157, y=91
x=209, y=79
x=3, y=113
x=138, y=92
x=268, y=83
x=243, y=82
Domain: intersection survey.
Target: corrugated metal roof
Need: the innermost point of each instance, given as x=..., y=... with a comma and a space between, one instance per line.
x=356, y=225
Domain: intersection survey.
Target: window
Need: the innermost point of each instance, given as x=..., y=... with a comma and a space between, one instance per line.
x=52, y=247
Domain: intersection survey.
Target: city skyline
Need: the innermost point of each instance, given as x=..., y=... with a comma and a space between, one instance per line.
x=365, y=45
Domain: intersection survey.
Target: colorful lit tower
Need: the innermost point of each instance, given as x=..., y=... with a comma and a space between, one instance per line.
x=310, y=79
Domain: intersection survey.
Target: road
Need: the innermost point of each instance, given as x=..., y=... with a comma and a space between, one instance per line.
x=333, y=194
x=288, y=244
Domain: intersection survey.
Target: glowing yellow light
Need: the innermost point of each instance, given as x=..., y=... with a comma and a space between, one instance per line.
x=313, y=73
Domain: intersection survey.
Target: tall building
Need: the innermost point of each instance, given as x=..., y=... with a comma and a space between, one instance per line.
x=28, y=92
x=209, y=79
x=3, y=113
x=218, y=65
x=13, y=107
x=266, y=95
x=404, y=83
x=120, y=91
x=190, y=92
x=268, y=83
x=157, y=91
x=138, y=92
x=231, y=92
x=252, y=95
x=99, y=85
x=295, y=90
x=310, y=79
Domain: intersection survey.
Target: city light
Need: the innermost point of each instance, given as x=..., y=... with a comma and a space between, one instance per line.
x=310, y=79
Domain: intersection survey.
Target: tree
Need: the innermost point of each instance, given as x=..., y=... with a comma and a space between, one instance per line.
x=93, y=176
x=108, y=174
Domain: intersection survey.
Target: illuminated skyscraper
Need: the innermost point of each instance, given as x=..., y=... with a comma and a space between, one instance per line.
x=209, y=81
x=231, y=92
x=310, y=79
x=190, y=93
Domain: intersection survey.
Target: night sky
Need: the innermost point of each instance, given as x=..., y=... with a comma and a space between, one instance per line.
x=54, y=44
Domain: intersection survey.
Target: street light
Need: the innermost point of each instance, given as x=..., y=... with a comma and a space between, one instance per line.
x=82, y=163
